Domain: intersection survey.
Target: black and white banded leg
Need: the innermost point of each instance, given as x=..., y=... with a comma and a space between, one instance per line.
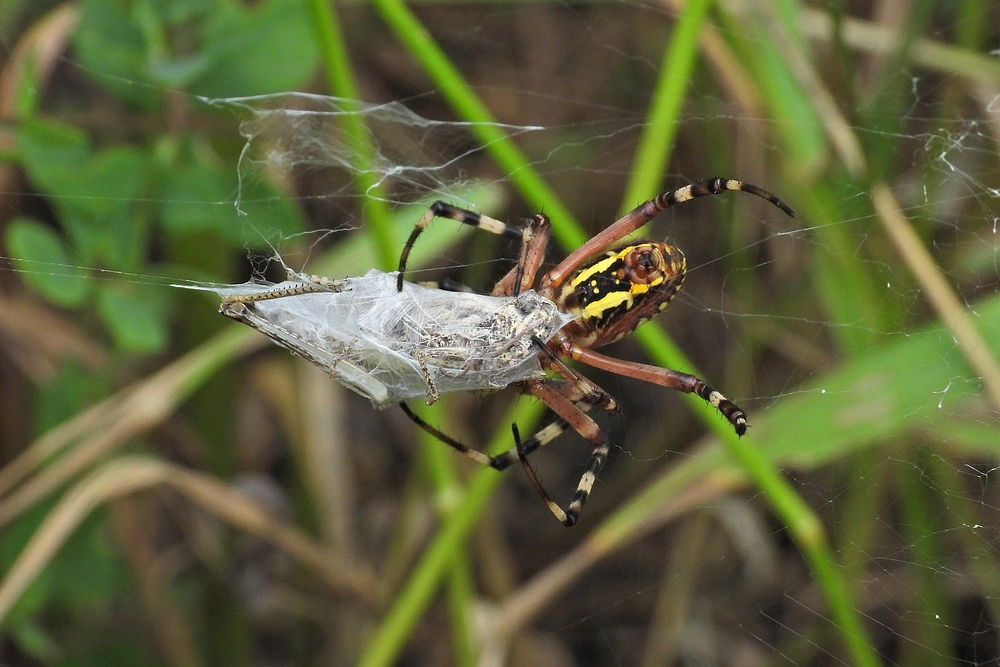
x=439, y=209
x=566, y=398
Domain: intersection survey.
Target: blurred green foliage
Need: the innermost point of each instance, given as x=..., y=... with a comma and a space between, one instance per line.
x=113, y=202
x=138, y=176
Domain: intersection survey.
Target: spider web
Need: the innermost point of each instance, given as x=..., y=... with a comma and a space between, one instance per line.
x=879, y=421
x=411, y=158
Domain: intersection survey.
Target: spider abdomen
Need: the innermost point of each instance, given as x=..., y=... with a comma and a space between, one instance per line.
x=620, y=290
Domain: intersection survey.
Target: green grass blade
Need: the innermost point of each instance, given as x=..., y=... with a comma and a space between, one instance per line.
x=411, y=601
x=802, y=522
x=440, y=463
x=657, y=141
x=469, y=107
x=338, y=69
x=651, y=160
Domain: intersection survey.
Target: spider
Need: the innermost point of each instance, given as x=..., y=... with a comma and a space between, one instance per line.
x=611, y=290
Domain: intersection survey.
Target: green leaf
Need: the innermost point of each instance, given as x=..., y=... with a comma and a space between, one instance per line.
x=110, y=46
x=46, y=262
x=51, y=152
x=135, y=315
x=198, y=197
x=915, y=382
x=94, y=195
x=267, y=49
x=98, y=208
x=179, y=72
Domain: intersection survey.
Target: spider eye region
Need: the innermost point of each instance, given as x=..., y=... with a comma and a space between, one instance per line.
x=622, y=289
x=645, y=265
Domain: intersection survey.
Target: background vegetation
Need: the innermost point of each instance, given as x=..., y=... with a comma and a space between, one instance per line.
x=176, y=491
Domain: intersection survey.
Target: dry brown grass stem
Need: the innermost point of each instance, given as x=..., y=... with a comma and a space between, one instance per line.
x=130, y=474
x=521, y=608
x=99, y=430
x=940, y=294
x=326, y=455
x=41, y=339
x=728, y=69
x=942, y=297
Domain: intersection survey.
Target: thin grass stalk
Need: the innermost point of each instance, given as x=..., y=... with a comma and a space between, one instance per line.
x=338, y=70
x=440, y=464
x=650, y=164
x=660, y=133
x=461, y=597
x=420, y=587
x=954, y=315
x=445, y=483
x=411, y=601
x=841, y=279
x=801, y=520
x=325, y=456
x=931, y=616
x=467, y=105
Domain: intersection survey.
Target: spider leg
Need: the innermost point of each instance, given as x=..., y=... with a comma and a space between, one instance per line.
x=473, y=454
x=574, y=416
x=664, y=377
x=534, y=241
x=499, y=462
x=642, y=214
x=590, y=392
x=570, y=404
x=502, y=461
x=441, y=210
x=522, y=455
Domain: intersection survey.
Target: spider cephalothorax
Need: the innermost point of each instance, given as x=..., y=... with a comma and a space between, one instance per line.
x=616, y=293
